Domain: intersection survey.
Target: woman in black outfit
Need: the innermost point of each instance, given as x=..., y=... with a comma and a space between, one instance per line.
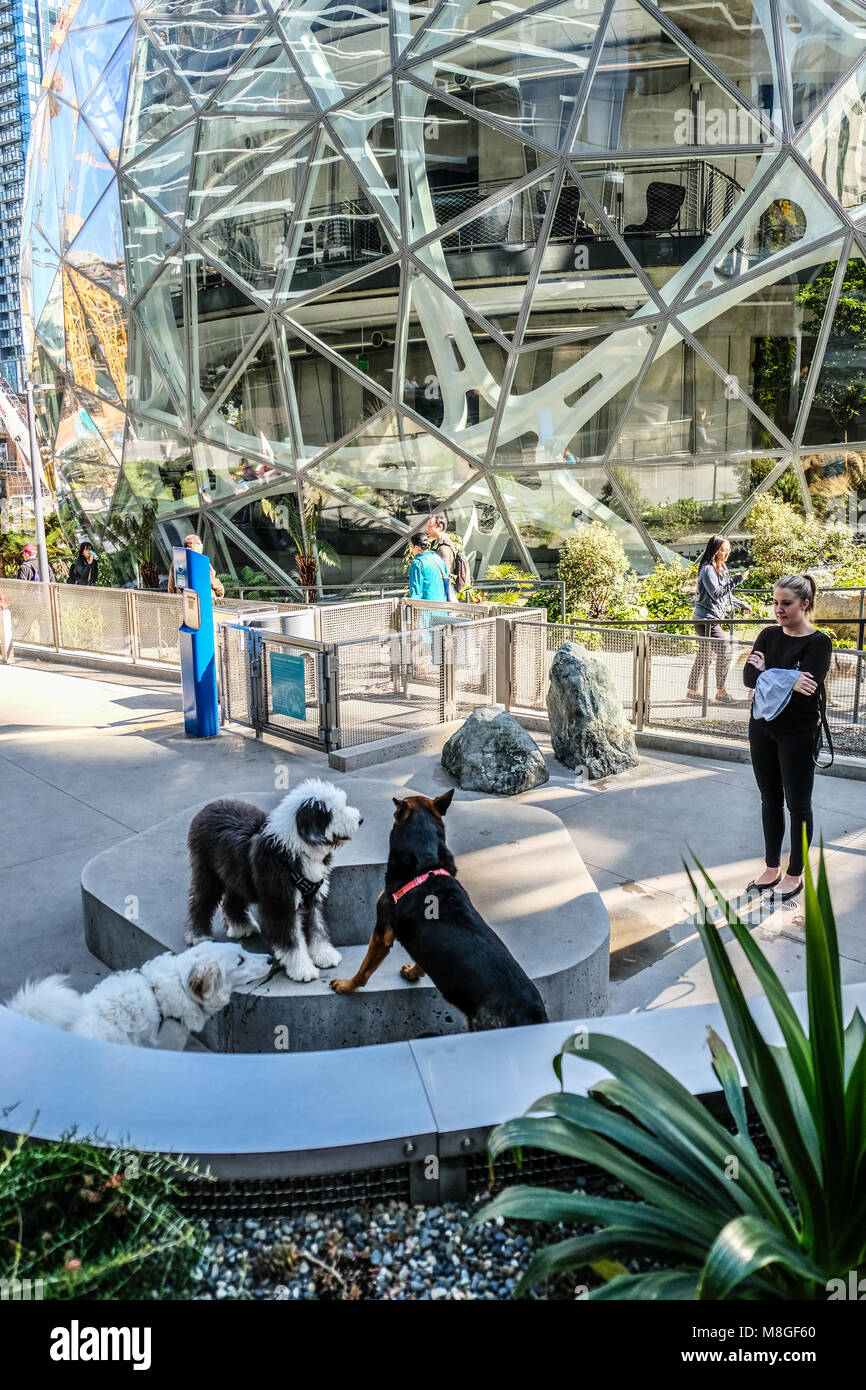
x=783, y=747
x=84, y=566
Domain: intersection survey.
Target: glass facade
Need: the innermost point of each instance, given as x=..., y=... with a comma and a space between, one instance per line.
x=529, y=264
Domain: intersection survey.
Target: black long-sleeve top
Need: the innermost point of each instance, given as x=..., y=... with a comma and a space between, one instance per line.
x=811, y=652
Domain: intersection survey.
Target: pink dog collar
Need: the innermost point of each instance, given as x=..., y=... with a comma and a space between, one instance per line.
x=413, y=883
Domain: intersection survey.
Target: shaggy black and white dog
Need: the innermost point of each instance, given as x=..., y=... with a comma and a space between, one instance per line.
x=280, y=862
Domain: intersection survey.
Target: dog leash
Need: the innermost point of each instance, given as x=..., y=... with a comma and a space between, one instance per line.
x=413, y=883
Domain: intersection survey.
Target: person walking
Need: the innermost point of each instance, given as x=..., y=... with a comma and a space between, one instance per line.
x=193, y=542
x=785, y=724
x=84, y=566
x=29, y=567
x=715, y=595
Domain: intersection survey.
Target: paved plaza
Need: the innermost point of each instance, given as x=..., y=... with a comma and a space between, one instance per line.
x=88, y=758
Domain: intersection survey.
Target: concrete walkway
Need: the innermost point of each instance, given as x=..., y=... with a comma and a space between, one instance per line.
x=88, y=758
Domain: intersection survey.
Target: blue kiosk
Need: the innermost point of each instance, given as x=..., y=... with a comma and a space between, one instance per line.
x=197, y=650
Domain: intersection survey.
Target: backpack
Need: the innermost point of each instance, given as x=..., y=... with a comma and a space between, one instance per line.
x=460, y=573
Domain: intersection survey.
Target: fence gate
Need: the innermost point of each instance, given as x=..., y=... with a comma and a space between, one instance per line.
x=279, y=684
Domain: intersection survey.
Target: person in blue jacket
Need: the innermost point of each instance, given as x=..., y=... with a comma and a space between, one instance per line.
x=715, y=597
x=428, y=573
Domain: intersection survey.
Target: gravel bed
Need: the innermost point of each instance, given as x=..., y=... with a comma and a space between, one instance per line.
x=385, y=1252
x=848, y=740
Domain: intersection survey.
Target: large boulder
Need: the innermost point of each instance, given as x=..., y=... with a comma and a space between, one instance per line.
x=588, y=726
x=491, y=752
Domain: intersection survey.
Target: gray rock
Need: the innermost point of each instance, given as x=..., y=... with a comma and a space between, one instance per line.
x=588, y=727
x=492, y=753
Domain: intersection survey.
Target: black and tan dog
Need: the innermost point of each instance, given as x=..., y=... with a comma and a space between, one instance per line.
x=429, y=913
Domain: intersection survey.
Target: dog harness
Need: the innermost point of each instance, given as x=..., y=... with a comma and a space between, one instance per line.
x=305, y=886
x=413, y=883
x=163, y=1018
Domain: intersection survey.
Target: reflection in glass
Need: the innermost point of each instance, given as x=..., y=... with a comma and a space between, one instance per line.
x=548, y=507
x=834, y=142
x=839, y=404
x=338, y=45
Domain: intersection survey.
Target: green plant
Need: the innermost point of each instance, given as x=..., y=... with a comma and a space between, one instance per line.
x=12, y=544
x=785, y=542
x=92, y=1222
x=723, y=1236
x=249, y=580
x=506, y=574
x=311, y=552
x=841, y=386
x=595, y=570
x=135, y=531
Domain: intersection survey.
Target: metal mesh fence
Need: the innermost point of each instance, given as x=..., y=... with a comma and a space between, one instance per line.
x=235, y=685
x=274, y=715
x=474, y=666
x=30, y=605
x=93, y=620
x=534, y=645
x=341, y=622
x=389, y=684
x=158, y=617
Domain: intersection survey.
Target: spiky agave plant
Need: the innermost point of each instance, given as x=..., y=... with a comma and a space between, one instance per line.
x=721, y=1236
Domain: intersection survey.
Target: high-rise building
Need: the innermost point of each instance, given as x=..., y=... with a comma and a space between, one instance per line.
x=528, y=263
x=20, y=75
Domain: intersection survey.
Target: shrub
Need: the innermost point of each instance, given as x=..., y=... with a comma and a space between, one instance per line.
x=785, y=542
x=755, y=1237
x=93, y=1222
x=595, y=570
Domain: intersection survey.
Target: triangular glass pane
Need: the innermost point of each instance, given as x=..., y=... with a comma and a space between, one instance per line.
x=162, y=175
x=161, y=313
x=206, y=49
x=836, y=479
x=251, y=414
x=566, y=400
x=477, y=521
x=61, y=81
x=223, y=475
x=148, y=239
x=365, y=130
x=98, y=248
x=457, y=19
x=682, y=501
x=99, y=11
x=327, y=402
x=338, y=45
x=45, y=265
x=265, y=80
x=50, y=327
x=157, y=102
x=48, y=404
x=453, y=369
x=648, y=93
x=820, y=44
x=336, y=228
x=507, y=74
x=230, y=150
x=357, y=323
x=407, y=17
x=838, y=412
x=765, y=343
x=453, y=162
x=548, y=506
x=685, y=407
x=358, y=539
x=90, y=50
x=106, y=334
x=833, y=143
x=786, y=488
x=92, y=172
x=250, y=235
x=147, y=390
x=45, y=209
x=788, y=211
x=224, y=323
x=159, y=469
x=84, y=459
x=394, y=465
x=108, y=419
x=96, y=359
x=63, y=126
x=105, y=107
x=737, y=38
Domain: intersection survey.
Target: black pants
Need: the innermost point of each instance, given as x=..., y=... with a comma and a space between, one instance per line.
x=785, y=774
x=722, y=652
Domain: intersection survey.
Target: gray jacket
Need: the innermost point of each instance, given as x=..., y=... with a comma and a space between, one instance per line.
x=716, y=594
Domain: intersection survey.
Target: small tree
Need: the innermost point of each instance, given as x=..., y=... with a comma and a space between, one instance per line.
x=786, y=542
x=595, y=570
x=135, y=531
x=311, y=552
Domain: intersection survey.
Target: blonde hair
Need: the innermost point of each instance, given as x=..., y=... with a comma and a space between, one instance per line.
x=193, y=542
x=802, y=586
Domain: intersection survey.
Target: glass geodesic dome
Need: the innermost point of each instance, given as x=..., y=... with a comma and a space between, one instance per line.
x=527, y=264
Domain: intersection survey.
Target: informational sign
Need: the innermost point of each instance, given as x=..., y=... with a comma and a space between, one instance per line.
x=288, y=686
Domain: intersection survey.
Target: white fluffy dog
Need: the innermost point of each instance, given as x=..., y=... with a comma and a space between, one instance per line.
x=158, y=1005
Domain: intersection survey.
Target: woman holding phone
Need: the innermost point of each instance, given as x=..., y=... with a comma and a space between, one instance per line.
x=783, y=740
